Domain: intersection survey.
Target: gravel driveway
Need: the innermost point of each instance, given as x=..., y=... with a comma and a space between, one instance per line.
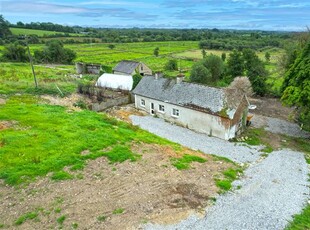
x=272, y=189
x=271, y=192
x=276, y=125
x=240, y=153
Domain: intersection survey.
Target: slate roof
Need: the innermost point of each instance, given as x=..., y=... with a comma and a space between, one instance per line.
x=126, y=66
x=217, y=101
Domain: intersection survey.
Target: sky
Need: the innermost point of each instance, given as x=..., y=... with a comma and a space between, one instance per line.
x=275, y=15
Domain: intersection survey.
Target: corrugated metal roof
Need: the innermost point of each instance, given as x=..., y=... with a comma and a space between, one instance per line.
x=126, y=66
x=195, y=96
x=115, y=81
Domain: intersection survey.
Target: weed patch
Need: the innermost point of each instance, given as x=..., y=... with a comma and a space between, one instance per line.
x=118, y=211
x=61, y=220
x=61, y=175
x=230, y=175
x=101, y=218
x=25, y=217
x=223, y=184
x=185, y=161
x=300, y=221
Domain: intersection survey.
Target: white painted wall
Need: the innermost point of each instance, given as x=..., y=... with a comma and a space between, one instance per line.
x=192, y=119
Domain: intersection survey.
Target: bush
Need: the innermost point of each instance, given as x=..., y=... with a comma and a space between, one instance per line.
x=171, y=65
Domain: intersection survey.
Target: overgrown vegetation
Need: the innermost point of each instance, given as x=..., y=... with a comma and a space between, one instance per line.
x=185, y=161
x=36, y=145
x=296, y=85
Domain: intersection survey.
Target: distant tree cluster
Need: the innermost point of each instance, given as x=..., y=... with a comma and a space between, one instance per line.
x=54, y=52
x=208, y=71
x=212, y=69
x=45, y=26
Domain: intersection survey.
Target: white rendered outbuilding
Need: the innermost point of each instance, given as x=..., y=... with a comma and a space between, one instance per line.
x=115, y=81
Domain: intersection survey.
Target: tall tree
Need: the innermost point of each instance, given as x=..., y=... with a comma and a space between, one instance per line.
x=235, y=65
x=255, y=70
x=4, y=27
x=200, y=74
x=215, y=65
x=296, y=85
x=223, y=56
x=156, y=51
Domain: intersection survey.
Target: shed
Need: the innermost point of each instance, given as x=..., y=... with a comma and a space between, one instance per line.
x=115, y=81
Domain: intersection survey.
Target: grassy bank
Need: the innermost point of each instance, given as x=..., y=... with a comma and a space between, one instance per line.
x=40, y=138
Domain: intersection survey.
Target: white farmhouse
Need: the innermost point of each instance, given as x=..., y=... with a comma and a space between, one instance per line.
x=218, y=112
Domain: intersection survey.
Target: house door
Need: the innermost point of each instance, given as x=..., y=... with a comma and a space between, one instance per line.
x=152, y=108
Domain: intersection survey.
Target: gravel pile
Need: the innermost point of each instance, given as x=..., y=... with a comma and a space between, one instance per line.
x=276, y=125
x=271, y=192
x=240, y=153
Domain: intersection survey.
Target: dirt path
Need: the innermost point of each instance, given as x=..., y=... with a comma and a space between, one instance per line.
x=150, y=189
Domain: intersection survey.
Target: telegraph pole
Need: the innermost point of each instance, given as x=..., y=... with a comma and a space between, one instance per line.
x=31, y=63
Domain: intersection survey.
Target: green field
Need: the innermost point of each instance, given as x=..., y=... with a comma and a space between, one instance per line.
x=35, y=146
x=18, y=78
x=186, y=52
x=40, y=33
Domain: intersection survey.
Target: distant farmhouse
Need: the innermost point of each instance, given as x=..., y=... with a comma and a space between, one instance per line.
x=87, y=68
x=132, y=68
x=217, y=112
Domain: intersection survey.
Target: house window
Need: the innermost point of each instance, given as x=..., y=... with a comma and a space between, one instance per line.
x=175, y=112
x=142, y=102
x=161, y=108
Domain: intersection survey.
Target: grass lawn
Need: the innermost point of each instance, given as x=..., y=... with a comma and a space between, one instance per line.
x=45, y=138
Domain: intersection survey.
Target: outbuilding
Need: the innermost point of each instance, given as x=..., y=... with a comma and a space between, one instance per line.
x=131, y=68
x=115, y=81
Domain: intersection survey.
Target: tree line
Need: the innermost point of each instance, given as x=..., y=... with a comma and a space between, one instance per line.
x=209, y=38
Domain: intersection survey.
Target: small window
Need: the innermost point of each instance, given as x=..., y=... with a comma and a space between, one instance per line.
x=175, y=112
x=142, y=102
x=161, y=108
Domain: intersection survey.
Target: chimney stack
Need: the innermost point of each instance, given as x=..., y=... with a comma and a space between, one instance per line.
x=180, y=78
x=158, y=75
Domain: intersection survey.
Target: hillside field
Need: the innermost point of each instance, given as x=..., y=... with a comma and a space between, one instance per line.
x=40, y=33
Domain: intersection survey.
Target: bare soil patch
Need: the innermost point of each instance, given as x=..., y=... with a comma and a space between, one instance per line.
x=7, y=124
x=272, y=107
x=2, y=101
x=149, y=190
x=68, y=101
x=123, y=112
